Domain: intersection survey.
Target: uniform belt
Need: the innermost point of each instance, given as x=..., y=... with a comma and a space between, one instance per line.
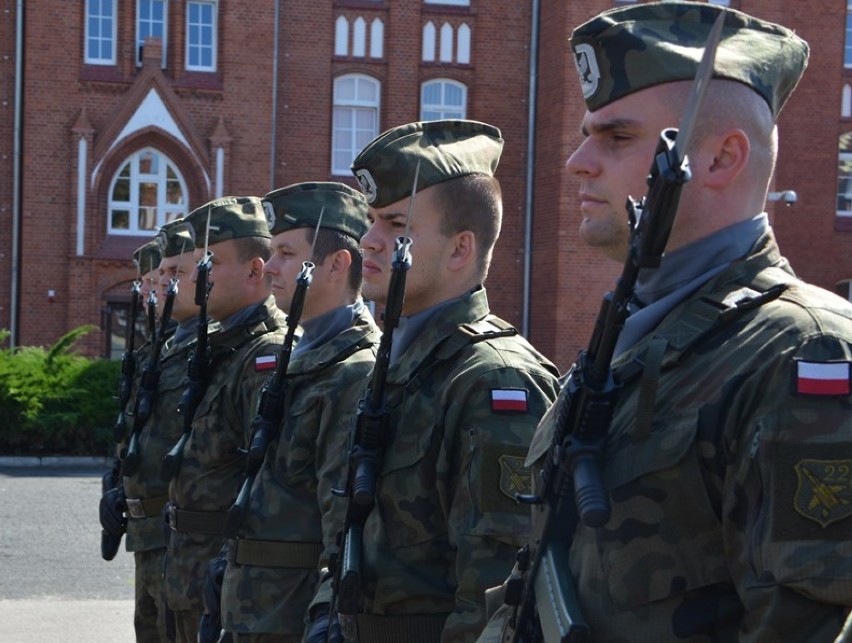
x=422, y=628
x=146, y=507
x=271, y=553
x=198, y=522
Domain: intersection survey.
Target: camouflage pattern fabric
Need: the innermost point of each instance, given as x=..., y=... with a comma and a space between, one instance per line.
x=443, y=150
x=158, y=435
x=213, y=463
x=149, y=617
x=446, y=525
x=629, y=48
x=731, y=514
x=231, y=217
x=291, y=498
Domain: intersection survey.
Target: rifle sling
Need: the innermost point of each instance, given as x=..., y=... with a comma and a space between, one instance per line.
x=701, y=316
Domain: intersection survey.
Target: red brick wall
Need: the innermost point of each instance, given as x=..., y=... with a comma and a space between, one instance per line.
x=567, y=279
x=7, y=110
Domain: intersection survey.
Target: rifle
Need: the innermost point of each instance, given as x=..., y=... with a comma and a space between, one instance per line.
x=198, y=366
x=267, y=421
x=147, y=390
x=110, y=542
x=365, y=457
x=572, y=489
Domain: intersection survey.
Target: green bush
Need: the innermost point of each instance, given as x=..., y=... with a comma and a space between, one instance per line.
x=53, y=401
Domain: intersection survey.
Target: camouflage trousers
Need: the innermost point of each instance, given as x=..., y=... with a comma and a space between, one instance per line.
x=150, y=614
x=186, y=625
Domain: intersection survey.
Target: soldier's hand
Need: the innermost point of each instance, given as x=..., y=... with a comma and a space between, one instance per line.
x=112, y=508
x=212, y=592
x=210, y=626
x=321, y=630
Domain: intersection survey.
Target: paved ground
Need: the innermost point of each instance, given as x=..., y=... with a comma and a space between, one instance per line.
x=54, y=585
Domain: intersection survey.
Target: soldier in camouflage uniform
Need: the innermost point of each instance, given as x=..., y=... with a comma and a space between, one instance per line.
x=112, y=506
x=273, y=564
x=464, y=390
x=241, y=354
x=729, y=459
x=146, y=489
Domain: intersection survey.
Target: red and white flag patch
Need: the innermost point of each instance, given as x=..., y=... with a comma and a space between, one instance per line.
x=823, y=378
x=505, y=400
x=265, y=362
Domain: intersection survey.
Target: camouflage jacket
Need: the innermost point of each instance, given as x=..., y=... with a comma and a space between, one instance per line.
x=464, y=398
x=159, y=433
x=291, y=497
x=214, y=456
x=732, y=503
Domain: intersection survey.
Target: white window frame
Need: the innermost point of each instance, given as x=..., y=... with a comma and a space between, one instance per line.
x=429, y=38
x=164, y=211
x=359, y=37
x=214, y=44
x=844, y=157
x=446, y=49
x=341, y=36
x=141, y=41
x=455, y=3
x=113, y=37
x=444, y=111
x=847, y=45
x=350, y=108
x=377, y=38
x=463, y=44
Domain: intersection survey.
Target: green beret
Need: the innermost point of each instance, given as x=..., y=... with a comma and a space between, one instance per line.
x=231, y=217
x=445, y=149
x=299, y=206
x=147, y=257
x=626, y=49
x=176, y=238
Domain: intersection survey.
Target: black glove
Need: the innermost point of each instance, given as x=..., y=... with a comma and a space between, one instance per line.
x=319, y=631
x=112, y=508
x=210, y=626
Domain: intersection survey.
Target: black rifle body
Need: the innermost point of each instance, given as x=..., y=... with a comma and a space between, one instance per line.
x=146, y=392
x=365, y=458
x=197, y=370
x=571, y=487
x=270, y=407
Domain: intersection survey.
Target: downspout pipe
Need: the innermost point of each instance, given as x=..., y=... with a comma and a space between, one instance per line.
x=14, y=281
x=274, y=120
x=530, y=170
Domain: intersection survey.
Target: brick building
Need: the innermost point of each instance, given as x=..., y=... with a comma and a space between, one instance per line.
x=120, y=114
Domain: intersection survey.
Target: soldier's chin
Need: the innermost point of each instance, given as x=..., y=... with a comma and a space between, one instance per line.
x=374, y=292
x=281, y=300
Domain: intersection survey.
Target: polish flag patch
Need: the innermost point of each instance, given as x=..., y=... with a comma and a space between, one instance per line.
x=823, y=378
x=508, y=400
x=265, y=362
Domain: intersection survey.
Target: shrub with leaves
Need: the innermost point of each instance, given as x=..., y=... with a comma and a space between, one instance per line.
x=53, y=401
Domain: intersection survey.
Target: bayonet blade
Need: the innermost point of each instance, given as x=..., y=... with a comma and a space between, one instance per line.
x=699, y=88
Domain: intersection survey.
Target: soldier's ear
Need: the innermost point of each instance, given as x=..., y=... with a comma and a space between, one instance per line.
x=255, y=270
x=340, y=261
x=462, y=247
x=730, y=155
